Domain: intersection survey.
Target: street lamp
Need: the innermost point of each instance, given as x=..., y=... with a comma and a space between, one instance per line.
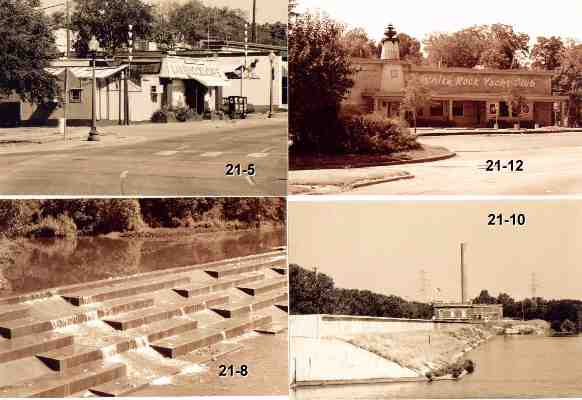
x=93, y=134
x=272, y=60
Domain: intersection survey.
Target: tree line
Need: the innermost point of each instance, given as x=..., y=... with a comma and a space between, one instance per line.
x=556, y=312
x=313, y=292
x=65, y=217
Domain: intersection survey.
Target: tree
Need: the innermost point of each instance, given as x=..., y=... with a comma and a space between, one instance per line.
x=457, y=49
x=359, y=44
x=484, y=298
x=320, y=75
x=26, y=49
x=272, y=33
x=568, y=81
x=193, y=22
x=109, y=21
x=505, y=48
x=416, y=95
x=547, y=53
x=409, y=49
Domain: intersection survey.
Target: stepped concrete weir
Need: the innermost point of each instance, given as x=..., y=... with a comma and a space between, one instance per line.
x=118, y=336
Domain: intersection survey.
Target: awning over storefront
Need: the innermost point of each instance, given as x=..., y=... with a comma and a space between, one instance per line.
x=207, y=72
x=87, y=72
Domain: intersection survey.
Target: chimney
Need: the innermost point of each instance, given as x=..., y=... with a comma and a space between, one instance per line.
x=463, y=274
x=390, y=45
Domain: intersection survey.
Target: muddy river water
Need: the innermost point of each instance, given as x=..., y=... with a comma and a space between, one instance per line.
x=31, y=265
x=519, y=366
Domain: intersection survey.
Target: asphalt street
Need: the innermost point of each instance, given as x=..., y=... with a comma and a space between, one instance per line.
x=552, y=165
x=192, y=163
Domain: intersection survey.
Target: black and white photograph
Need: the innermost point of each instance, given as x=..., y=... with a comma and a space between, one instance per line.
x=435, y=98
x=143, y=97
x=143, y=297
x=435, y=299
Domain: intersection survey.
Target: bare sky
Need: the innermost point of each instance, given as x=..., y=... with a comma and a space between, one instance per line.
x=420, y=17
x=267, y=10
x=383, y=246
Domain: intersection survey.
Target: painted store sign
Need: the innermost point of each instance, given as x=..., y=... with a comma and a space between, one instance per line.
x=454, y=82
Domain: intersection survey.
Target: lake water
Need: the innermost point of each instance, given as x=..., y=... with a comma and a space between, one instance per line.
x=510, y=366
x=31, y=265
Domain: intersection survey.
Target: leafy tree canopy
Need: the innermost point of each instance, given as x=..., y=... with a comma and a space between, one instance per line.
x=358, y=44
x=109, y=21
x=548, y=53
x=26, y=48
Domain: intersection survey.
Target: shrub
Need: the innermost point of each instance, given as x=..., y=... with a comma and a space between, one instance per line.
x=17, y=215
x=469, y=366
x=163, y=116
x=184, y=114
x=373, y=134
x=51, y=227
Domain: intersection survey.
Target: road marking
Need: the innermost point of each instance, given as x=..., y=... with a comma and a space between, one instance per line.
x=267, y=149
x=250, y=180
x=165, y=153
x=183, y=147
x=257, y=155
x=211, y=154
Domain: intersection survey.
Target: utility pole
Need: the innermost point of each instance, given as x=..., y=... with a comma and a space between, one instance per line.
x=534, y=287
x=254, y=31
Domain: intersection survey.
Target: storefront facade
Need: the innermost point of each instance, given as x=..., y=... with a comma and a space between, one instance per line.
x=460, y=97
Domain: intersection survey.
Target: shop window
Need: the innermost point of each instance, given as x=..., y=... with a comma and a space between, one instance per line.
x=493, y=109
x=436, y=109
x=154, y=93
x=75, y=95
x=503, y=109
x=458, y=109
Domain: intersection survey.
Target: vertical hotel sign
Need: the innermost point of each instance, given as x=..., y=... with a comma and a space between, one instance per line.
x=454, y=82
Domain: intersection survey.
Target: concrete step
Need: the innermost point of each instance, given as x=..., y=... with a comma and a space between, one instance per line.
x=126, y=289
x=159, y=313
x=8, y=313
x=284, y=305
x=253, y=304
x=119, y=387
x=28, y=346
x=58, y=384
x=272, y=329
x=179, y=345
x=29, y=326
x=229, y=270
x=76, y=355
x=216, y=285
x=257, y=288
x=283, y=270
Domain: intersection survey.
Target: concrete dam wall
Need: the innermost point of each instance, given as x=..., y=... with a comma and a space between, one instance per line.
x=316, y=356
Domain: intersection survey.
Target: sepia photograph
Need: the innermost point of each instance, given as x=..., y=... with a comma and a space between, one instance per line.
x=143, y=97
x=435, y=299
x=435, y=98
x=143, y=297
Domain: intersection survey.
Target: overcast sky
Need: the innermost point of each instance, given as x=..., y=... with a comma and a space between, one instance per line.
x=383, y=246
x=267, y=10
x=420, y=17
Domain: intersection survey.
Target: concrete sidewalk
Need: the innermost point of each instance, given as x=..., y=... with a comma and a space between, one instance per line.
x=328, y=181
x=491, y=131
x=25, y=139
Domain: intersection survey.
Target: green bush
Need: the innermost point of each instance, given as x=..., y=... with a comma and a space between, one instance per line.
x=163, y=116
x=373, y=134
x=17, y=215
x=184, y=114
x=62, y=226
x=469, y=366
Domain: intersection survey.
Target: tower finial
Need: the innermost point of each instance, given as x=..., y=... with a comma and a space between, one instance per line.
x=390, y=32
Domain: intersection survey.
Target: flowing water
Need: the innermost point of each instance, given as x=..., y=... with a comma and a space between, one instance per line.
x=507, y=366
x=31, y=265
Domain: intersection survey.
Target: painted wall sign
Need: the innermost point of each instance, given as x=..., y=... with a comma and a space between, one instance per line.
x=483, y=83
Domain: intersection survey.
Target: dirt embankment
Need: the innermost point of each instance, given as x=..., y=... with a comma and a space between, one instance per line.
x=433, y=353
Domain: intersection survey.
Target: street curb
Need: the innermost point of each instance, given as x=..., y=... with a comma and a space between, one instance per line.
x=350, y=186
x=497, y=132
x=449, y=154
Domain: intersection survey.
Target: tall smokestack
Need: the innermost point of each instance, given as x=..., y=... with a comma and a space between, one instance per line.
x=463, y=274
x=254, y=30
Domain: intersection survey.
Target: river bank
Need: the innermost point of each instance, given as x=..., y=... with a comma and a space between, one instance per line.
x=431, y=354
